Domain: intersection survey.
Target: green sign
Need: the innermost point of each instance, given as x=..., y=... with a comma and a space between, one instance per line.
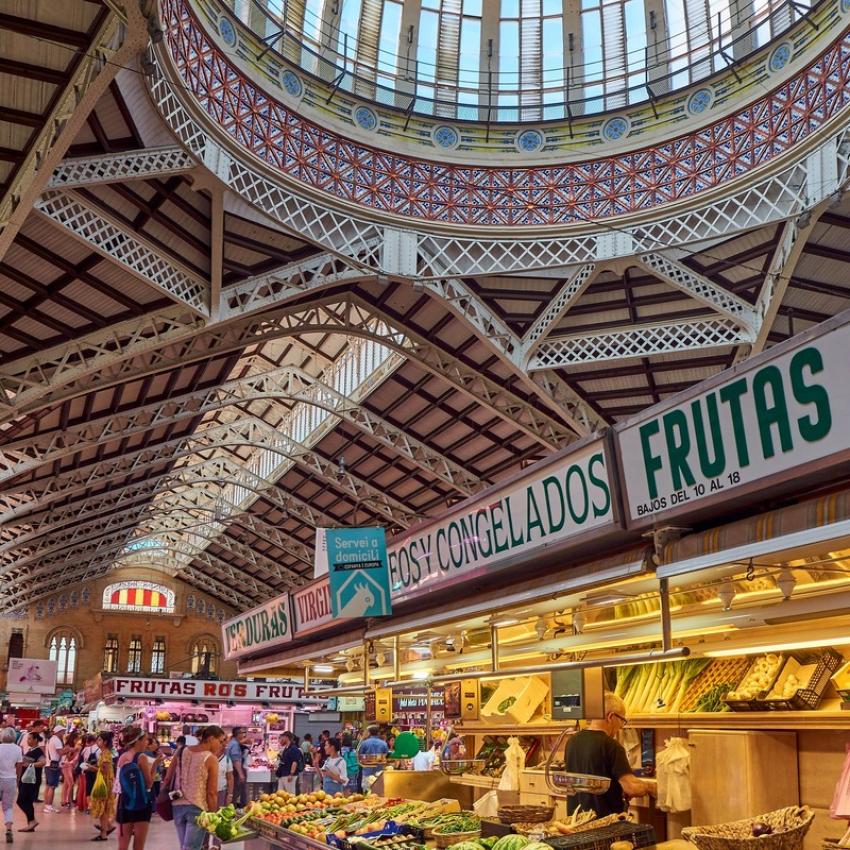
x=357, y=568
x=776, y=417
x=267, y=625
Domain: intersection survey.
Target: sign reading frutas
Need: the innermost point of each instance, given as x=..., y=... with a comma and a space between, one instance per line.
x=267, y=625
x=198, y=689
x=557, y=503
x=357, y=568
x=789, y=410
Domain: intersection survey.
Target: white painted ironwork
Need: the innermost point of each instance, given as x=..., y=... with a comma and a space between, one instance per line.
x=114, y=167
x=701, y=289
x=643, y=341
x=93, y=227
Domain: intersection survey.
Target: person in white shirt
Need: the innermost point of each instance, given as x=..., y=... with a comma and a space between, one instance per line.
x=424, y=760
x=52, y=772
x=11, y=755
x=225, y=780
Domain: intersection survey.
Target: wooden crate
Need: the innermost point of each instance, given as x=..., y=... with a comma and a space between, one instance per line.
x=720, y=670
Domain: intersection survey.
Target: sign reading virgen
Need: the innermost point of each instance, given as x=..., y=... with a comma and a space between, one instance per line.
x=784, y=412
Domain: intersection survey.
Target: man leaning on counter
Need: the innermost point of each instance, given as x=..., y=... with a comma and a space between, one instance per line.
x=596, y=751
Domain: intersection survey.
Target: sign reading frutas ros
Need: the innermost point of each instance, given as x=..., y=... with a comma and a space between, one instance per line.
x=182, y=689
x=557, y=503
x=787, y=410
x=267, y=625
x=357, y=568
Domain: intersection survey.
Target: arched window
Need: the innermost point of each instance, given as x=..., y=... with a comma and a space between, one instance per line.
x=110, y=655
x=134, y=655
x=158, y=655
x=142, y=596
x=204, y=655
x=63, y=650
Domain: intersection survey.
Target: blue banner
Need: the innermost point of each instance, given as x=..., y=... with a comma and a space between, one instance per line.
x=357, y=567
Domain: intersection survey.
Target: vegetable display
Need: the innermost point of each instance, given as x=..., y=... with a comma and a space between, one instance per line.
x=657, y=688
x=760, y=677
x=223, y=824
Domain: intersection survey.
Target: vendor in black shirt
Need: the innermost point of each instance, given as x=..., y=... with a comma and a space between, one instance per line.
x=595, y=751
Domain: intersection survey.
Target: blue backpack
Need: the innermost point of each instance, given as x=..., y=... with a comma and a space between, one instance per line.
x=134, y=793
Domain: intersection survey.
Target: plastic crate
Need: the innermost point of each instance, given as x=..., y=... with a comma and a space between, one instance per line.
x=640, y=835
x=808, y=698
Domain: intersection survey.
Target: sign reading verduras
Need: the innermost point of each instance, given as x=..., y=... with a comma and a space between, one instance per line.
x=783, y=414
x=562, y=501
x=198, y=689
x=268, y=624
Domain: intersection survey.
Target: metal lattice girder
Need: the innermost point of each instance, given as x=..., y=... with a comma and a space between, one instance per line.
x=512, y=351
x=113, y=46
x=556, y=309
x=245, y=431
x=94, y=360
x=352, y=316
x=115, y=167
x=285, y=384
x=95, y=228
x=323, y=270
x=700, y=288
x=662, y=338
x=335, y=231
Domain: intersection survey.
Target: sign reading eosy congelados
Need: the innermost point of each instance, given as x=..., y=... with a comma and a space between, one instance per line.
x=785, y=413
x=561, y=501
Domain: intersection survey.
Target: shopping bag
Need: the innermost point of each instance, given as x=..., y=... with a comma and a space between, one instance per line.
x=514, y=764
x=487, y=806
x=99, y=791
x=28, y=776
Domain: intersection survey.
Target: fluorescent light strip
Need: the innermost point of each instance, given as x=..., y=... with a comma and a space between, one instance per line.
x=777, y=647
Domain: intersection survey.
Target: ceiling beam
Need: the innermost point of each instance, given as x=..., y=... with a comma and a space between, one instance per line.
x=128, y=165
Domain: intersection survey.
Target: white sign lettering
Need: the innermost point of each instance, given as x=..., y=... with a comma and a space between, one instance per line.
x=213, y=691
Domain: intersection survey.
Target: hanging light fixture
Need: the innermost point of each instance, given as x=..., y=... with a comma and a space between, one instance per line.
x=726, y=594
x=341, y=470
x=786, y=582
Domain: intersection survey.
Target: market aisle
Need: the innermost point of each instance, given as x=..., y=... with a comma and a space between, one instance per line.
x=67, y=831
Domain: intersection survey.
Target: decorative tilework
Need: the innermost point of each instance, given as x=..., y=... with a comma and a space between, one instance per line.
x=700, y=101
x=227, y=31
x=638, y=180
x=445, y=137
x=780, y=56
x=366, y=118
x=615, y=128
x=529, y=141
x=292, y=83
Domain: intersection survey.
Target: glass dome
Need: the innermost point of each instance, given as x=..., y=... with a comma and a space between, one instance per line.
x=515, y=60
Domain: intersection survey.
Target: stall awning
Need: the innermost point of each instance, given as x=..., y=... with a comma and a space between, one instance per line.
x=792, y=531
x=294, y=655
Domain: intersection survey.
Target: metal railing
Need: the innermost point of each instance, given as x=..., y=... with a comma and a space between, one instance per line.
x=492, y=97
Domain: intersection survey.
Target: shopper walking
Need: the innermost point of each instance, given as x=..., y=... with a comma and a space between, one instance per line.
x=240, y=766
x=11, y=755
x=102, y=806
x=135, y=780
x=197, y=781
x=52, y=773
x=372, y=745
x=87, y=770
x=68, y=764
x=29, y=779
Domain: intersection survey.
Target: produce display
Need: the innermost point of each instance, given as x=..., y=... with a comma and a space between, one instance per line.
x=557, y=827
x=223, y=824
x=759, y=678
x=657, y=688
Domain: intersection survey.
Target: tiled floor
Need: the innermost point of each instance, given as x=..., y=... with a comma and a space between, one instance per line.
x=73, y=831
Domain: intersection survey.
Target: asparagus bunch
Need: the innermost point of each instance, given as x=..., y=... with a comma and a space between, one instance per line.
x=657, y=688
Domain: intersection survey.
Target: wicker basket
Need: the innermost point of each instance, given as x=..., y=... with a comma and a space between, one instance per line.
x=525, y=814
x=443, y=840
x=789, y=829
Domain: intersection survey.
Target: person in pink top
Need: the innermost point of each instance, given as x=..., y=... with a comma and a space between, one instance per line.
x=196, y=781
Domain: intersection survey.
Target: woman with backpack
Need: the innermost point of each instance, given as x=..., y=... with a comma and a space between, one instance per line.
x=352, y=765
x=135, y=779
